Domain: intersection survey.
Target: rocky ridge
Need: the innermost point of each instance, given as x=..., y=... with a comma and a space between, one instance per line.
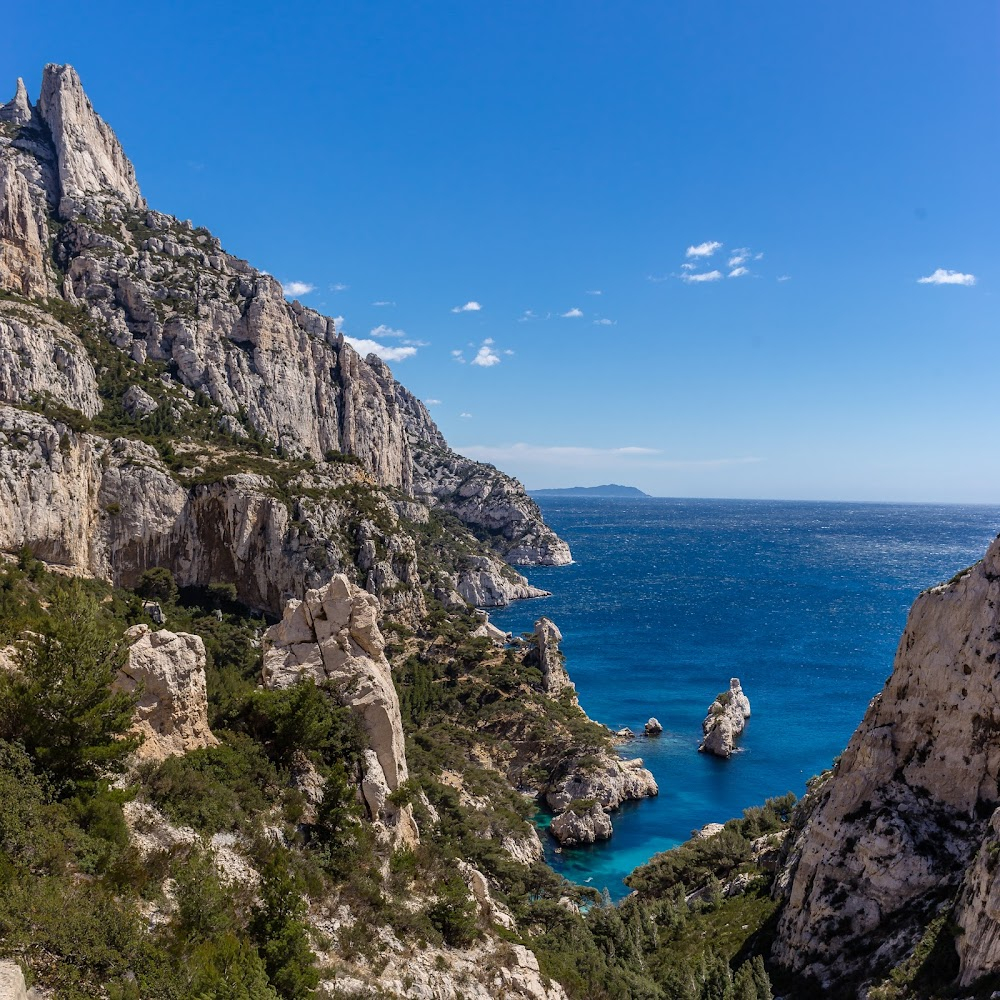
x=156, y=305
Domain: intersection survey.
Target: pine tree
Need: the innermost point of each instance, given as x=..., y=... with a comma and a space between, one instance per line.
x=59, y=704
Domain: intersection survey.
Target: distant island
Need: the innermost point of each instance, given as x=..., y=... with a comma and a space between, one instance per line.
x=611, y=490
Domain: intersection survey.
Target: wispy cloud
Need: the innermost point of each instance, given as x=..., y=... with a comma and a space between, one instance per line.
x=784, y=277
x=365, y=347
x=630, y=456
x=573, y=313
x=739, y=256
x=691, y=278
x=486, y=356
x=432, y=402
x=604, y=321
x=468, y=416
x=339, y=286
x=527, y=316
x=386, y=331
x=595, y=291
x=739, y=272
x=470, y=307
x=458, y=356
x=705, y=249
x=297, y=287
x=945, y=277
x=383, y=302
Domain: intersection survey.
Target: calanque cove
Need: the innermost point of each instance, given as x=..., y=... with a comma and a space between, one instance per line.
x=259, y=738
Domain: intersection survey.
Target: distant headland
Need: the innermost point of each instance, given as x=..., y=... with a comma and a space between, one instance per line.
x=610, y=490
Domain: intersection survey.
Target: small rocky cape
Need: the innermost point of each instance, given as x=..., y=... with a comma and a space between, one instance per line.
x=726, y=719
x=588, y=790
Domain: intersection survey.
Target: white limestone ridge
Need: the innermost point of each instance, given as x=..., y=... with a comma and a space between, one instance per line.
x=160, y=290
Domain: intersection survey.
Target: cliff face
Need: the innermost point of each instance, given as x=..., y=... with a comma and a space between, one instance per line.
x=893, y=832
x=76, y=239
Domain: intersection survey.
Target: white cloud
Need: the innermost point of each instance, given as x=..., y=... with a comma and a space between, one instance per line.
x=338, y=324
x=297, y=287
x=739, y=256
x=604, y=322
x=509, y=353
x=466, y=415
x=738, y=272
x=595, y=291
x=339, y=286
x=488, y=340
x=432, y=402
x=573, y=313
x=417, y=343
x=386, y=331
x=944, y=277
x=527, y=316
x=692, y=278
x=486, y=357
x=705, y=249
x=469, y=307
x=458, y=356
x=784, y=277
x=383, y=302
x=386, y=353
x=688, y=267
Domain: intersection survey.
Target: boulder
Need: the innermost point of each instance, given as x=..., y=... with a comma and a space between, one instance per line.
x=168, y=669
x=653, y=728
x=138, y=403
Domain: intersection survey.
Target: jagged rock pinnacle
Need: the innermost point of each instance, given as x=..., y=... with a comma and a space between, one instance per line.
x=18, y=110
x=93, y=167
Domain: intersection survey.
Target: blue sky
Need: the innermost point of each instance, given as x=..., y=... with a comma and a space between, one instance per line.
x=525, y=157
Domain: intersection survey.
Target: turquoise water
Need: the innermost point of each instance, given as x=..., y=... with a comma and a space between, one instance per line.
x=668, y=599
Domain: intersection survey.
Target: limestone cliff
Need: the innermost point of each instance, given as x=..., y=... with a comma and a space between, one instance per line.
x=890, y=836
x=155, y=299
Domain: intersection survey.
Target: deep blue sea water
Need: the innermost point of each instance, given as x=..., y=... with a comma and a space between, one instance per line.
x=668, y=599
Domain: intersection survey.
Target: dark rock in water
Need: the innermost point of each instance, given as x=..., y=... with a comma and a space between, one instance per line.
x=653, y=727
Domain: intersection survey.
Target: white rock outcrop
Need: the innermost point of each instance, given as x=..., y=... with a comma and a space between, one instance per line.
x=726, y=719
x=41, y=358
x=12, y=985
x=333, y=635
x=893, y=831
x=168, y=669
x=550, y=659
x=580, y=825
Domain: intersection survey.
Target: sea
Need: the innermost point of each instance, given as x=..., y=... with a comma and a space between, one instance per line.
x=667, y=599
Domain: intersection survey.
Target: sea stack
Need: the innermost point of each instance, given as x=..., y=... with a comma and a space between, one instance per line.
x=726, y=719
